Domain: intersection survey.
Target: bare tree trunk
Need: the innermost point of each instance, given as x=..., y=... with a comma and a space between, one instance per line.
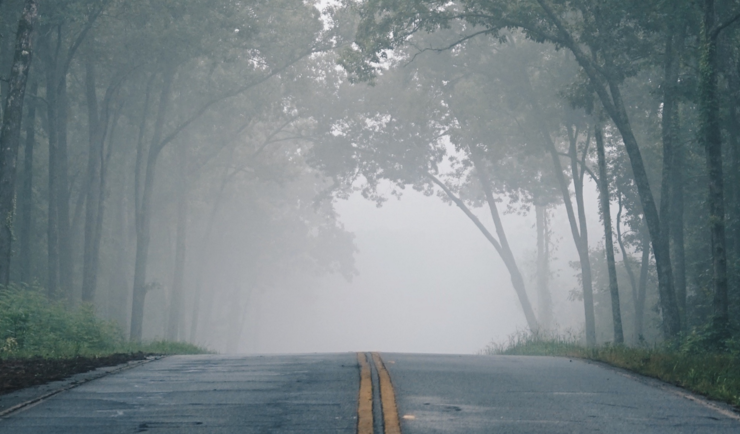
x=669, y=127
x=626, y=261
x=27, y=220
x=544, y=298
x=549, y=145
x=669, y=307
x=582, y=239
x=63, y=194
x=143, y=221
x=678, y=251
x=733, y=186
x=175, y=311
x=205, y=261
x=98, y=120
x=58, y=231
x=92, y=182
x=103, y=193
x=52, y=238
x=10, y=133
x=642, y=289
x=608, y=242
x=711, y=135
x=505, y=250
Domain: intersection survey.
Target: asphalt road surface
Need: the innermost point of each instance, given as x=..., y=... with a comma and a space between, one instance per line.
x=325, y=393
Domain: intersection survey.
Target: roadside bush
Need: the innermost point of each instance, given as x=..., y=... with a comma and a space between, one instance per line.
x=30, y=324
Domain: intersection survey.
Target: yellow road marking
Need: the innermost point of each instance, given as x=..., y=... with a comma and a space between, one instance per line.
x=387, y=398
x=365, y=405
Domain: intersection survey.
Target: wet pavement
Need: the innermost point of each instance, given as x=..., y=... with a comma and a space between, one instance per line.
x=319, y=393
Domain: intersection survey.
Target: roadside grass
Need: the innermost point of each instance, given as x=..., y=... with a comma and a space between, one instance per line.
x=32, y=326
x=715, y=375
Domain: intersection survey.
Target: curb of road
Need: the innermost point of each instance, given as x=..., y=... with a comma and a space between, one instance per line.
x=726, y=410
x=28, y=397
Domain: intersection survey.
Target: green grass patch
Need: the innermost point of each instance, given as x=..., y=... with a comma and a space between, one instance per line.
x=33, y=326
x=714, y=375
x=164, y=347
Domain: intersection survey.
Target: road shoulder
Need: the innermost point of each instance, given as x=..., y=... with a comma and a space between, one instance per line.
x=29, y=396
x=718, y=406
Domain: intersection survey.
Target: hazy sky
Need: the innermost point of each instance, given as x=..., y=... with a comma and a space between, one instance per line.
x=429, y=282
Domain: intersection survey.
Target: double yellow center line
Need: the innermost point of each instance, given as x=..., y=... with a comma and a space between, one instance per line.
x=391, y=424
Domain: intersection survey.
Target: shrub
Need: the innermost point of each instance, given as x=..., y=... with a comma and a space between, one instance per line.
x=30, y=324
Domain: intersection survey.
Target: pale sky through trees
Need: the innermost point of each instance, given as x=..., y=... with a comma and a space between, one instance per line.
x=428, y=282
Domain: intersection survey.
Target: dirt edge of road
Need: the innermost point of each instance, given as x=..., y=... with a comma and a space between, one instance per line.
x=18, y=374
x=718, y=406
x=38, y=379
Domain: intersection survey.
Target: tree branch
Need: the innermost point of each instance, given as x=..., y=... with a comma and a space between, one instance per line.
x=223, y=97
x=584, y=167
x=721, y=26
x=467, y=212
x=453, y=45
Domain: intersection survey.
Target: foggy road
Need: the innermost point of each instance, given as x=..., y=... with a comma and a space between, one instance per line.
x=319, y=393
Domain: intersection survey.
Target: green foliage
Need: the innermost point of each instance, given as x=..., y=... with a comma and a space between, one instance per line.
x=542, y=343
x=31, y=325
x=162, y=347
x=691, y=365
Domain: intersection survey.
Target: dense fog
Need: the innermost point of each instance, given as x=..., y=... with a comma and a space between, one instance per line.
x=313, y=176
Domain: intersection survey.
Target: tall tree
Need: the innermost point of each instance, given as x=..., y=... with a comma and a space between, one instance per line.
x=605, y=199
x=711, y=136
x=99, y=119
x=277, y=53
x=58, y=48
x=10, y=133
x=596, y=35
x=176, y=293
x=26, y=193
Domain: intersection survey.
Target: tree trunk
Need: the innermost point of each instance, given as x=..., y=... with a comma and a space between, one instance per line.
x=711, y=137
x=678, y=251
x=175, y=311
x=544, y=299
x=549, y=145
x=205, y=259
x=52, y=238
x=144, y=213
x=63, y=194
x=642, y=289
x=89, y=276
x=733, y=186
x=669, y=130
x=669, y=307
x=505, y=250
x=98, y=120
x=609, y=93
x=582, y=242
x=103, y=193
x=608, y=242
x=10, y=132
x=627, y=266
x=26, y=202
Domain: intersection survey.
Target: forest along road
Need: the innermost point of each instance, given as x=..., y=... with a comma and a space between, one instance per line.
x=359, y=393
